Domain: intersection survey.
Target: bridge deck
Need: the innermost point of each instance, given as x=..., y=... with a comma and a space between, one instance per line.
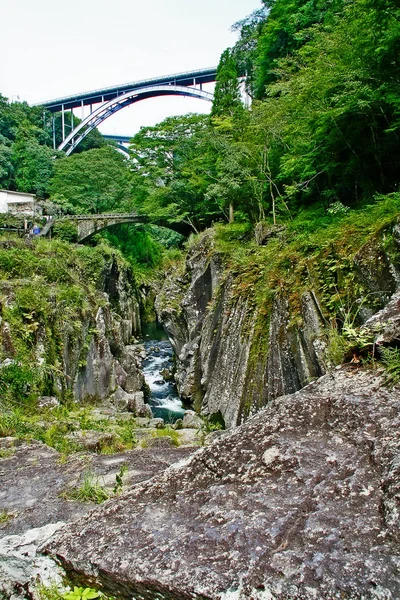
x=102, y=95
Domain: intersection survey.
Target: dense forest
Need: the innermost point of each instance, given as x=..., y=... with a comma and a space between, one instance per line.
x=322, y=128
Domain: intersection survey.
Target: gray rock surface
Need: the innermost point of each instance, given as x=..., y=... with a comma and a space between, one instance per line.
x=301, y=502
x=385, y=324
x=191, y=420
x=92, y=441
x=22, y=567
x=33, y=478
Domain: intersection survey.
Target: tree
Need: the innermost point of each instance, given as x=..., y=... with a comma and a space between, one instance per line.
x=286, y=27
x=95, y=181
x=227, y=99
x=172, y=166
x=245, y=51
x=6, y=167
x=33, y=166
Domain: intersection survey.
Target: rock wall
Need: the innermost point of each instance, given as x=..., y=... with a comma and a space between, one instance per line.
x=233, y=354
x=81, y=347
x=111, y=361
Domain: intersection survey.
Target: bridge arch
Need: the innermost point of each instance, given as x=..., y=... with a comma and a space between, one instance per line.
x=88, y=225
x=112, y=106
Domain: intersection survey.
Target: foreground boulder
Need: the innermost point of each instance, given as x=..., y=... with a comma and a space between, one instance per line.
x=301, y=502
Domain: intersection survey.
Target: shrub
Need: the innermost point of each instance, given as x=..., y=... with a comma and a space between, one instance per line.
x=391, y=361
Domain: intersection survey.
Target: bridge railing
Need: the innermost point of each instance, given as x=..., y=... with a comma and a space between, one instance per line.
x=100, y=216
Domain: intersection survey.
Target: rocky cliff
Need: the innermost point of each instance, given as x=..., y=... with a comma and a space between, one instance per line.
x=68, y=315
x=242, y=340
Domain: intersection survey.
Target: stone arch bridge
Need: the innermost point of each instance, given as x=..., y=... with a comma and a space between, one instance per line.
x=88, y=225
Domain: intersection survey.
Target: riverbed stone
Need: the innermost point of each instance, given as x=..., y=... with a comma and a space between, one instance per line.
x=121, y=399
x=299, y=503
x=22, y=567
x=48, y=402
x=191, y=420
x=157, y=423
x=90, y=440
x=145, y=412
x=136, y=403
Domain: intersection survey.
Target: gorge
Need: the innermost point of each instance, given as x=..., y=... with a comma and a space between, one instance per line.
x=210, y=409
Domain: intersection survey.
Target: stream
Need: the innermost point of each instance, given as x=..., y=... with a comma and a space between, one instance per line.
x=164, y=400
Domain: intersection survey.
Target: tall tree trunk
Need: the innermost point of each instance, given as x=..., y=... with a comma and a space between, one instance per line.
x=231, y=216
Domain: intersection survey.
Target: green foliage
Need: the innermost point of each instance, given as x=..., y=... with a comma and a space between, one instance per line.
x=18, y=382
x=56, y=592
x=80, y=593
x=5, y=516
x=65, y=230
x=33, y=166
x=315, y=252
x=96, y=181
x=26, y=155
x=214, y=422
x=49, y=294
x=165, y=432
x=391, y=361
x=89, y=491
x=136, y=243
x=117, y=489
x=48, y=592
x=286, y=28
x=172, y=165
x=227, y=100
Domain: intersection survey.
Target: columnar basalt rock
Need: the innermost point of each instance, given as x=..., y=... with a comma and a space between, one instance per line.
x=233, y=355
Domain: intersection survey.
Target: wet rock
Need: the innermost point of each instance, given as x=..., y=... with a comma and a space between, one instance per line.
x=167, y=374
x=300, y=502
x=191, y=420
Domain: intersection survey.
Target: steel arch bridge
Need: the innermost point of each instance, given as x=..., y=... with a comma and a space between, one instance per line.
x=113, y=99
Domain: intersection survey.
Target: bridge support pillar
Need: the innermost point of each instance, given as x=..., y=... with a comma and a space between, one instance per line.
x=63, y=121
x=54, y=133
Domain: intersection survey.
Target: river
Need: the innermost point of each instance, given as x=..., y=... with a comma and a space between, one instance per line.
x=164, y=399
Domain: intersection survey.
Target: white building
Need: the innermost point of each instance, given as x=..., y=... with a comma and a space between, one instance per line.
x=17, y=203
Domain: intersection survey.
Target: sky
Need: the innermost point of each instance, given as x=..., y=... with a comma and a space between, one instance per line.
x=51, y=49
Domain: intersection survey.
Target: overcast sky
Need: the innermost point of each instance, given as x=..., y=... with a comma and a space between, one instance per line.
x=51, y=49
